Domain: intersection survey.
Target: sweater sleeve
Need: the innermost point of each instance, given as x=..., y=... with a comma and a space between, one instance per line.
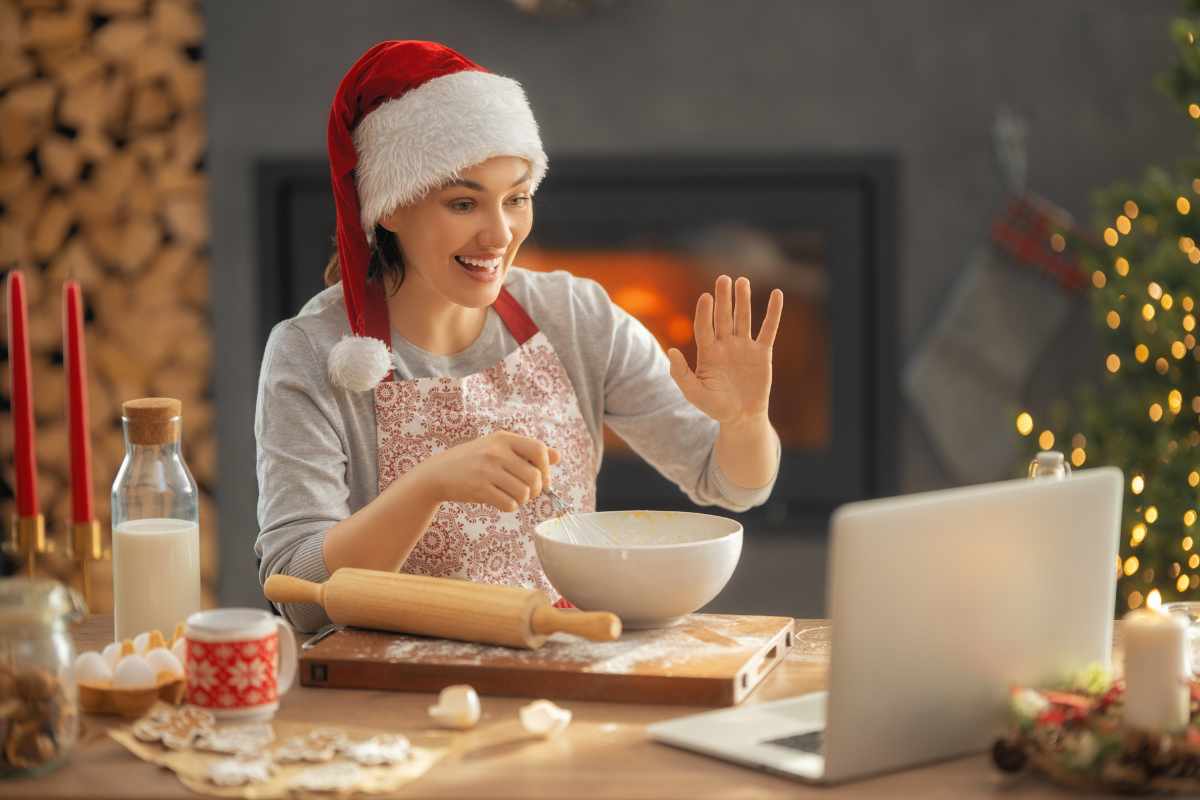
x=645, y=407
x=301, y=464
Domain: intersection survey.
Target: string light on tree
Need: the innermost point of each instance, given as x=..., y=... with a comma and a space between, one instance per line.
x=1142, y=273
x=1024, y=423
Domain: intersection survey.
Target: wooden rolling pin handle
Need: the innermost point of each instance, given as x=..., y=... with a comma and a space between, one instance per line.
x=599, y=626
x=287, y=589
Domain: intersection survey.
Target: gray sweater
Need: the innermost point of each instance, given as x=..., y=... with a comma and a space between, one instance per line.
x=316, y=444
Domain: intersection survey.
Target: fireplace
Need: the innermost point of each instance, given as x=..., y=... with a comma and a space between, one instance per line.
x=656, y=232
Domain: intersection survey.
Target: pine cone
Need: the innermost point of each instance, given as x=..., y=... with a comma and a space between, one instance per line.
x=1008, y=755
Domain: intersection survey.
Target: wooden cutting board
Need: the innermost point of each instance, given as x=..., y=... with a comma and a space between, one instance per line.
x=706, y=660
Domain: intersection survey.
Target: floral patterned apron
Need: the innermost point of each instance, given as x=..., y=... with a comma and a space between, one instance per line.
x=528, y=393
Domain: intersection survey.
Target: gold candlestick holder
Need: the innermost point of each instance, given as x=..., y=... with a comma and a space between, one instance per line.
x=28, y=539
x=86, y=547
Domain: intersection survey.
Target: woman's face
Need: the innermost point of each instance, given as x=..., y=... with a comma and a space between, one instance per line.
x=461, y=239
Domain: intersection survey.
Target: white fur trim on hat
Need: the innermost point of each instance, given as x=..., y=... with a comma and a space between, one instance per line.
x=358, y=363
x=427, y=136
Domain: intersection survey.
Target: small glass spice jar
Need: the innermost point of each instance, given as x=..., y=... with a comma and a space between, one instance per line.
x=1049, y=464
x=39, y=706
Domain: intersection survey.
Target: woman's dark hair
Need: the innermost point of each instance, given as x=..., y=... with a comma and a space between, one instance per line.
x=386, y=260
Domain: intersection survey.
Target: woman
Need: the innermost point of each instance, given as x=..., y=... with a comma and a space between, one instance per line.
x=410, y=417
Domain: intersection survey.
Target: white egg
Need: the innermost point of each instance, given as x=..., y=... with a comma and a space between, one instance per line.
x=90, y=667
x=141, y=643
x=112, y=654
x=161, y=659
x=133, y=672
x=180, y=650
x=457, y=707
x=543, y=718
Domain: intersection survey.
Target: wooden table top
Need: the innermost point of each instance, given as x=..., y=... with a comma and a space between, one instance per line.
x=604, y=753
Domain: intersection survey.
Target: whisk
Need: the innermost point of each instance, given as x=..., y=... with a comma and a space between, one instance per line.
x=578, y=530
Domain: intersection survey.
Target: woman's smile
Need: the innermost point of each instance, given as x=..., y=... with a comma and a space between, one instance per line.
x=482, y=269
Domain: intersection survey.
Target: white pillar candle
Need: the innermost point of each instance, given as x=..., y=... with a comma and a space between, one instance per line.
x=1157, y=691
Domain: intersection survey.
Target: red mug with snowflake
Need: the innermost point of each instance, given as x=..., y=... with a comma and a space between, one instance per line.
x=239, y=661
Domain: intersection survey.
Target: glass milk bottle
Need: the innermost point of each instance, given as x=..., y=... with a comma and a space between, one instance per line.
x=155, y=523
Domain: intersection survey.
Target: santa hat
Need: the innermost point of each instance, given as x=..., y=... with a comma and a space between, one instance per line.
x=408, y=117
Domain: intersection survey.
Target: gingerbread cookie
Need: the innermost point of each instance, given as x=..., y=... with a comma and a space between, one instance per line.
x=176, y=728
x=241, y=740
x=318, y=746
x=240, y=771
x=334, y=777
x=387, y=748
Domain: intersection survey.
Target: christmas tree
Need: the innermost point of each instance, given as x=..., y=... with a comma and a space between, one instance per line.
x=1144, y=415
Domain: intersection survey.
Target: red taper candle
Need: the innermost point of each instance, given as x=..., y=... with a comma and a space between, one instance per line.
x=22, y=397
x=77, y=405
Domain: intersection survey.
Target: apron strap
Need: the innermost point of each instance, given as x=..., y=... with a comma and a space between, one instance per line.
x=519, y=324
x=514, y=317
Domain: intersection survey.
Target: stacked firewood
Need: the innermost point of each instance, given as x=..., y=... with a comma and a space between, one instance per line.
x=102, y=141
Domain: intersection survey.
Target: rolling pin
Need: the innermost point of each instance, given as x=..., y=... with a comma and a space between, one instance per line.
x=442, y=607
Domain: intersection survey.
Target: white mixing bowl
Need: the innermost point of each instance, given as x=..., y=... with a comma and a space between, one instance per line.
x=663, y=566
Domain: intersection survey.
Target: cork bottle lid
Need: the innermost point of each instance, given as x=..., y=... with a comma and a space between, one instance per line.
x=152, y=420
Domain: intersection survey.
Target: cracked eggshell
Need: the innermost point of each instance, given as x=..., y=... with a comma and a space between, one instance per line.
x=92, y=668
x=543, y=718
x=179, y=650
x=457, y=707
x=133, y=672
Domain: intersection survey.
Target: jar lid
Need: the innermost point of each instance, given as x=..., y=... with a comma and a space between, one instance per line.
x=39, y=601
x=152, y=420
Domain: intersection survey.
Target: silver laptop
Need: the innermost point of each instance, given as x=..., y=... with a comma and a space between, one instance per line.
x=939, y=602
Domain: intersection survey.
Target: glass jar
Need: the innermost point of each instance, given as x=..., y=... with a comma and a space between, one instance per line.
x=1049, y=464
x=38, y=697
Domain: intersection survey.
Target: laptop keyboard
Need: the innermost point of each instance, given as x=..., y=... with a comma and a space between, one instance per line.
x=810, y=742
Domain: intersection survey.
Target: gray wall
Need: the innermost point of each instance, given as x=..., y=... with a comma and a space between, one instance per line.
x=921, y=80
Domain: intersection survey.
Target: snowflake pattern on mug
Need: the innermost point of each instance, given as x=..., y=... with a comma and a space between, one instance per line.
x=529, y=393
x=244, y=675
x=233, y=675
x=201, y=674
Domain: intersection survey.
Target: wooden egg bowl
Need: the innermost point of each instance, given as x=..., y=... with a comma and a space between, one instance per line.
x=104, y=698
x=96, y=698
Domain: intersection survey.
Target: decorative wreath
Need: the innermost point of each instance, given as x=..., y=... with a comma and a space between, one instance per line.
x=1074, y=735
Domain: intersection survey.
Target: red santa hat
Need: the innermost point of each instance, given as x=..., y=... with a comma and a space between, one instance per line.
x=406, y=118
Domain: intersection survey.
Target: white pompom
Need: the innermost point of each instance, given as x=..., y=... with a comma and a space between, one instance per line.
x=358, y=363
